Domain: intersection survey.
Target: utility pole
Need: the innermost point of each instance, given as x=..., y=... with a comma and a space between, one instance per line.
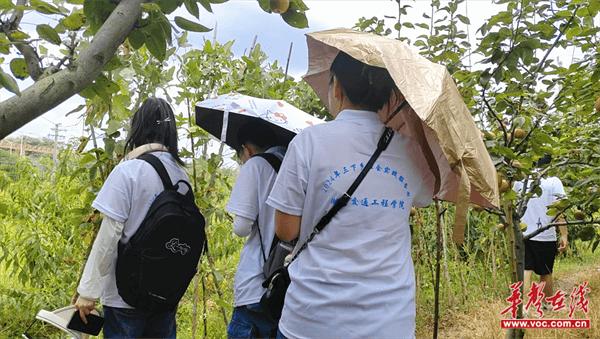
x=56, y=136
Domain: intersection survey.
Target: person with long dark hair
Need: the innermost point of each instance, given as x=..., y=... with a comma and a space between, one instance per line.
x=355, y=279
x=124, y=201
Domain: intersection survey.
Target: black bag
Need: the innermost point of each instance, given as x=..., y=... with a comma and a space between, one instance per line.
x=279, y=249
x=278, y=282
x=156, y=266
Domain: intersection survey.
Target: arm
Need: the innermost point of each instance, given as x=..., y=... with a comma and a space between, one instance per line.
x=287, y=226
x=564, y=241
x=244, y=200
x=98, y=266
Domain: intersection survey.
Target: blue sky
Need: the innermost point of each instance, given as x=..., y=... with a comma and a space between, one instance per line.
x=242, y=20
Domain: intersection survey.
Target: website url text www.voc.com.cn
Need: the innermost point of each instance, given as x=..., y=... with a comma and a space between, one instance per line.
x=545, y=323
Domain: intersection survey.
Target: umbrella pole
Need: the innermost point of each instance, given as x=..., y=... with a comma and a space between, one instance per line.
x=287, y=64
x=438, y=257
x=195, y=183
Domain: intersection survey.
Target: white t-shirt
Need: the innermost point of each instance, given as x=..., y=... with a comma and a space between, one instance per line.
x=126, y=197
x=247, y=200
x=356, y=278
x=535, y=215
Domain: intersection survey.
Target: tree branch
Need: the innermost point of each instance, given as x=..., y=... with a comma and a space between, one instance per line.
x=51, y=91
x=557, y=40
x=495, y=115
x=522, y=143
x=568, y=223
x=17, y=15
x=34, y=64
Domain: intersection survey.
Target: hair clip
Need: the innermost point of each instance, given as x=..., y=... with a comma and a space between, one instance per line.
x=167, y=119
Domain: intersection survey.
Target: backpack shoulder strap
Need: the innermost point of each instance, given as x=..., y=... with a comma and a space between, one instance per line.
x=272, y=159
x=160, y=169
x=275, y=162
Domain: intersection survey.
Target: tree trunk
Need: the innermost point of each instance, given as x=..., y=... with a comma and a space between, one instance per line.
x=517, y=262
x=54, y=89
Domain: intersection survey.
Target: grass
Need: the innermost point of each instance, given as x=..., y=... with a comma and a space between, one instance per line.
x=481, y=319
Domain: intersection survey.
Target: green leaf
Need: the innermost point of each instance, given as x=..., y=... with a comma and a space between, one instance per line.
x=192, y=7
x=113, y=64
x=182, y=40
x=19, y=35
x=519, y=121
x=464, y=19
x=295, y=19
x=9, y=83
x=485, y=77
x=96, y=11
x=18, y=67
x=298, y=5
x=510, y=195
x=44, y=7
x=595, y=245
x=169, y=6
x=564, y=14
x=265, y=5
x=151, y=7
x=156, y=42
x=6, y=4
x=87, y=92
x=48, y=33
x=206, y=5
x=74, y=21
x=165, y=25
x=594, y=7
x=136, y=38
x=188, y=25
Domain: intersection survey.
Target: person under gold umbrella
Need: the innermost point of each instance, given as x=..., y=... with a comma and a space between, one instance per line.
x=355, y=278
x=351, y=273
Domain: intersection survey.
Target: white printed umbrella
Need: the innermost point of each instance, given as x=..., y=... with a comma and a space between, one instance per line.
x=224, y=115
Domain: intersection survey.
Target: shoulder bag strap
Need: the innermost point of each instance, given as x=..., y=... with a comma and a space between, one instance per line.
x=383, y=143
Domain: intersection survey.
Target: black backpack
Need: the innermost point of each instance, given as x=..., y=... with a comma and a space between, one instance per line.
x=279, y=248
x=156, y=266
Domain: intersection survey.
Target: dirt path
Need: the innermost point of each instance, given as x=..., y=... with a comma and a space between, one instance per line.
x=484, y=319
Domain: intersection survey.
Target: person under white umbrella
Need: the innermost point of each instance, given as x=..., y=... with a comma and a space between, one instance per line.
x=258, y=129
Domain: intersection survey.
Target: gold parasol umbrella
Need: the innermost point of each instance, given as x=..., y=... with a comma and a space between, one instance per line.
x=438, y=117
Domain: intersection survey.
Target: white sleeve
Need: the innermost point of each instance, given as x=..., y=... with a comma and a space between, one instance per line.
x=244, y=199
x=102, y=259
x=114, y=198
x=242, y=226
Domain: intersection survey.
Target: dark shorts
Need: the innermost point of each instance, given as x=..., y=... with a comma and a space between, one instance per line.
x=539, y=256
